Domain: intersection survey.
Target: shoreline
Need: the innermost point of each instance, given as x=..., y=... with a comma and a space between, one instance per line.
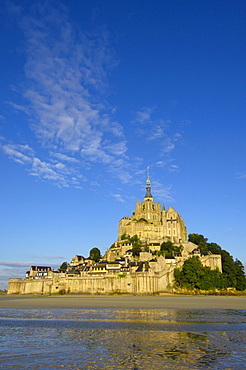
x=167, y=301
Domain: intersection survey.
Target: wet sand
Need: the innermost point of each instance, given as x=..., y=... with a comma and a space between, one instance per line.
x=151, y=302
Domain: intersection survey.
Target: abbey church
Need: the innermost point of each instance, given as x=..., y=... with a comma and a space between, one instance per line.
x=152, y=223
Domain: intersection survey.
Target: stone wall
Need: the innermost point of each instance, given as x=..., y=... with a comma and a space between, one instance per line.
x=134, y=283
x=213, y=261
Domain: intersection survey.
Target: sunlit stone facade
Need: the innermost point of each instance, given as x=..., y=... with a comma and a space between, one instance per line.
x=151, y=222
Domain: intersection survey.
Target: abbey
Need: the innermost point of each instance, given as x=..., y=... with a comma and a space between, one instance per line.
x=152, y=223
x=151, y=244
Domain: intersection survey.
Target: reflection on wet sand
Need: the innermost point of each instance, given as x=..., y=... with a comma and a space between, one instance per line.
x=119, y=349
x=132, y=315
x=122, y=339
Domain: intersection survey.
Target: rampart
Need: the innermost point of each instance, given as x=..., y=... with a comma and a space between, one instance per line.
x=147, y=282
x=135, y=283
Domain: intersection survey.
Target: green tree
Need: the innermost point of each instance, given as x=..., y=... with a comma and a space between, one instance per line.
x=168, y=248
x=63, y=266
x=193, y=272
x=197, y=238
x=229, y=271
x=233, y=271
x=136, y=245
x=214, y=248
x=212, y=279
x=95, y=254
x=194, y=275
x=203, y=244
x=233, y=274
x=240, y=275
x=203, y=247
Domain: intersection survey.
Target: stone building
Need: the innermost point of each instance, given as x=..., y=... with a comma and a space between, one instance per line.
x=121, y=270
x=152, y=223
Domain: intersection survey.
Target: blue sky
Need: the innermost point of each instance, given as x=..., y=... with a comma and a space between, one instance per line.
x=94, y=92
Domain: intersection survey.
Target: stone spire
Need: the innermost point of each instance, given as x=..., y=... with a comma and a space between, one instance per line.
x=148, y=187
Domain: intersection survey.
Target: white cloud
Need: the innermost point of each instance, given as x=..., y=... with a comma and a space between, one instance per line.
x=66, y=78
x=16, y=264
x=66, y=75
x=95, y=183
x=62, y=174
x=152, y=129
x=162, y=192
x=157, y=131
x=18, y=107
x=173, y=168
x=168, y=145
x=120, y=168
x=44, y=170
x=164, y=132
x=160, y=163
x=118, y=149
x=72, y=122
x=118, y=197
x=241, y=175
x=19, y=153
x=64, y=157
x=48, y=257
x=143, y=115
x=168, y=163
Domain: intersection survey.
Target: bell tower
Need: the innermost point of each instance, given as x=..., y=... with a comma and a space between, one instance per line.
x=148, y=187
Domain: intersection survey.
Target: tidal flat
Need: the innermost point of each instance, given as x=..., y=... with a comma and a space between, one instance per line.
x=127, y=301
x=122, y=332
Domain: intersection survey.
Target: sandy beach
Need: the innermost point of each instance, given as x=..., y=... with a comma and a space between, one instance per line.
x=151, y=302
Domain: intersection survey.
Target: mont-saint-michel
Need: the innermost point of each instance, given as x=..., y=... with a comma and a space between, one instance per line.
x=138, y=262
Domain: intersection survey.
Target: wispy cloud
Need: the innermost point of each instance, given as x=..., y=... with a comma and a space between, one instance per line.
x=61, y=173
x=118, y=197
x=66, y=91
x=162, y=192
x=18, y=107
x=48, y=258
x=157, y=130
x=173, y=168
x=169, y=164
x=241, y=175
x=143, y=115
x=64, y=157
x=22, y=154
x=152, y=129
x=168, y=145
x=26, y=264
x=66, y=81
x=15, y=264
